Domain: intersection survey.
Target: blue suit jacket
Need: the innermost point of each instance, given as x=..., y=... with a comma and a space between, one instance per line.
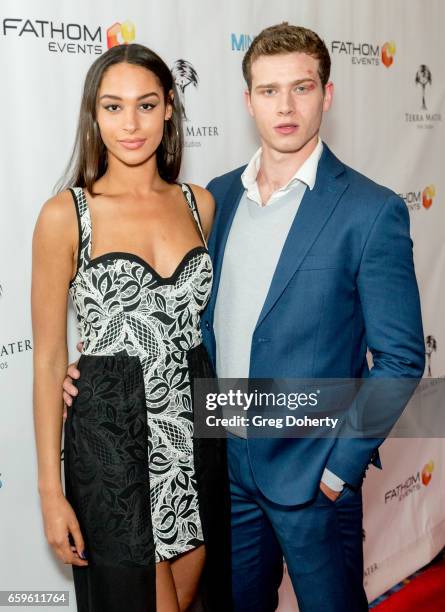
x=345, y=281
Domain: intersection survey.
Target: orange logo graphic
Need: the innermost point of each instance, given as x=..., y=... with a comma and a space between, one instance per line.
x=427, y=473
x=428, y=195
x=120, y=34
x=388, y=52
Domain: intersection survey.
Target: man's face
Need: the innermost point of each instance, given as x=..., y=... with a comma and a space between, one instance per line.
x=287, y=100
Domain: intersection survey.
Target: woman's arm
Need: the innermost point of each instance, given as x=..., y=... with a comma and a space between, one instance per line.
x=53, y=264
x=51, y=272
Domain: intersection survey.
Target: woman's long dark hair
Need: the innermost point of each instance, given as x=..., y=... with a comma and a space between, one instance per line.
x=89, y=157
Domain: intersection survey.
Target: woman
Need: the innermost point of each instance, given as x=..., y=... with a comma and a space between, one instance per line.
x=145, y=513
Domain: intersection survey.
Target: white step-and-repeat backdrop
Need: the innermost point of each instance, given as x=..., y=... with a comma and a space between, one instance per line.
x=387, y=121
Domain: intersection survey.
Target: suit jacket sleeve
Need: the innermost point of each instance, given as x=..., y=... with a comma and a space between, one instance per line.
x=390, y=303
x=212, y=187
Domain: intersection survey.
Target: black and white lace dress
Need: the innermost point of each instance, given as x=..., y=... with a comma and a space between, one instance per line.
x=143, y=488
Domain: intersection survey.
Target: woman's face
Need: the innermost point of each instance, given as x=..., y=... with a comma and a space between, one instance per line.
x=130, y=112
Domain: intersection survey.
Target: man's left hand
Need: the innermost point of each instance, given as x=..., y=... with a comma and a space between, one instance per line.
x=330, y=493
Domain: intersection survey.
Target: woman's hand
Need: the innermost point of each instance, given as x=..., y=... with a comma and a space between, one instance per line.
x=69, y=389
x=59, y=521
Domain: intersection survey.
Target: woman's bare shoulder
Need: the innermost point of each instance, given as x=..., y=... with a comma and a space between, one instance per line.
x=58, y=209
x=202, y=194
x=58, y=219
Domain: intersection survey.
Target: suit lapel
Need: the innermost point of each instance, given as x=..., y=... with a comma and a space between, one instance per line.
x=222, y=225
x=314, y=211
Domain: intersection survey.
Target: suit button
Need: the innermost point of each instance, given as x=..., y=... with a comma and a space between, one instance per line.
x=207, y=324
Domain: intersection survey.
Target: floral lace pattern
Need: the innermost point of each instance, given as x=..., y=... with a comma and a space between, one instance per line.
x=124, y=306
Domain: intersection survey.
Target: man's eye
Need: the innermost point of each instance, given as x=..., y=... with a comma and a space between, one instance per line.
x=269, y=92
x=305, y=88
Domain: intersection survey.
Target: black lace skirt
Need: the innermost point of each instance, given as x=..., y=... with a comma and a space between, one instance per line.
x=107, y=483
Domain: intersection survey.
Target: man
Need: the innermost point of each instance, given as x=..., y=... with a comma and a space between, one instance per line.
x=312, y=265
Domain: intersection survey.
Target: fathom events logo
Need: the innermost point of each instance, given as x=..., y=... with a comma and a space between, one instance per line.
x=11, y=349
x=73, y=38
x=419, y=199
x=428, y=195
x=364, y=53
x=412, y=484
x=121, y=34
x=185, y=75
x=427, y=473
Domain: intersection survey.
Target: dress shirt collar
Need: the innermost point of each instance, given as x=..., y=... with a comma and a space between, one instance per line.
x=305, y=174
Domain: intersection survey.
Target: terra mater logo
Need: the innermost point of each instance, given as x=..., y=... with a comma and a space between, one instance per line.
x=364, y=53
x=423, y=78
x=184, y=75
x=430, y=348
x=72, y=37
x=412, y=484
x=419, y=199
x=423, y=117
x=10, y=349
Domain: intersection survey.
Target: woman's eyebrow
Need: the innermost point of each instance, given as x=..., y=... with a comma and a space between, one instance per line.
x=114, y=97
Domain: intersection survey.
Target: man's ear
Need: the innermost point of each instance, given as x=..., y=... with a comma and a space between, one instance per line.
x=248, y=101
x=328, y=96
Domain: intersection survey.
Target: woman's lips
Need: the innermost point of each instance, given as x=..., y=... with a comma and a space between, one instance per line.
x=286, y=128
x=132, y=144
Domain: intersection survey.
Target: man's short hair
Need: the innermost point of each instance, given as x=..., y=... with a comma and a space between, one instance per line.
x=285, y=38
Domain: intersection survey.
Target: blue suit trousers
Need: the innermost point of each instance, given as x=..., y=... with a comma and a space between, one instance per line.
x=321, y=542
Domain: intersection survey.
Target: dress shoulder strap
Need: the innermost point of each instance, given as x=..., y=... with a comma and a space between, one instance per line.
x=84, y=226
x=191, y=201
